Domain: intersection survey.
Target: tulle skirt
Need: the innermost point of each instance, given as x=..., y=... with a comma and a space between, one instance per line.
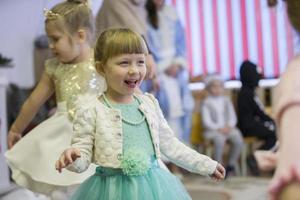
x=112, y=184
x=32, y=159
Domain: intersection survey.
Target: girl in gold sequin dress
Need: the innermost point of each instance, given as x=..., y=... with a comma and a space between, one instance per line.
x=69, y=26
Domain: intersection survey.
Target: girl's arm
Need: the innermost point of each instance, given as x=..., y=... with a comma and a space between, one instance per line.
x=182, y=155
x=37, y=98
x=288, y=165
x=287, y=112
x=79, y=156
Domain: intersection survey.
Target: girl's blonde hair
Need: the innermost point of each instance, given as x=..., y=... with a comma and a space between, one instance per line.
x=114, y=42
x=71, y=15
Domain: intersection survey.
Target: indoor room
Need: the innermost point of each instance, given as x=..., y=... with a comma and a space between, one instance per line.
x=149, y=99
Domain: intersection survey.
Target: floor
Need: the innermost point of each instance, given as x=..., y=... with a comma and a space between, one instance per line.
x=233, y=188
x=200, y=188
x=16, y=193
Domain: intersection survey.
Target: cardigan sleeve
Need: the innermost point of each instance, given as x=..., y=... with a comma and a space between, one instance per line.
x=83, y=137
x=179, y=153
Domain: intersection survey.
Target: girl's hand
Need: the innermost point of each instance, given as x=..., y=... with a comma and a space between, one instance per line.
x=219, y=173
x=13, y=138
x=67, y=158
x=282, y=180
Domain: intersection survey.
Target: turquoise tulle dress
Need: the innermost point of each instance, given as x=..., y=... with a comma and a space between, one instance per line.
x=142, y=181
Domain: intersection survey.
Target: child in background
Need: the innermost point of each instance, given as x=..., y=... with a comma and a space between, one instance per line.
x=252, y=118
x=219, y=120
x=69, y=26
x=125, y=133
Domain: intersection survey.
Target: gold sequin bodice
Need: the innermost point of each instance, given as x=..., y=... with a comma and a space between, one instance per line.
x=72, y=80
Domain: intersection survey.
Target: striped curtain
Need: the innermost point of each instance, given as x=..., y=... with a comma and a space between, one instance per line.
x=220, y=34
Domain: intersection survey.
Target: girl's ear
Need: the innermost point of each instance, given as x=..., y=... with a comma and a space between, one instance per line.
x=100, y=68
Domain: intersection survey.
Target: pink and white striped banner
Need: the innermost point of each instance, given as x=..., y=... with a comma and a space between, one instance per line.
x=220, y=34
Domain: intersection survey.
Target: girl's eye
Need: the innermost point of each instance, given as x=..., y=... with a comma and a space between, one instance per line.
x=56, y=39
x=123, y=63
x=53, y=39
x=141, y=62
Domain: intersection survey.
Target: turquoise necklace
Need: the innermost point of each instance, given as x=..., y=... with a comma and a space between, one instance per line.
x=123, y=119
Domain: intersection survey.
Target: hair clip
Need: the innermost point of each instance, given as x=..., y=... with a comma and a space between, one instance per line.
x=49, y=14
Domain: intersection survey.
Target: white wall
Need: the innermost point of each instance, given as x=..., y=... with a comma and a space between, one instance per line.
x=21, y=21
x=4, y=178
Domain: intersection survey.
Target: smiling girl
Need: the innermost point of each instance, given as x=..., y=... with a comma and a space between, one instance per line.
x=125, y=133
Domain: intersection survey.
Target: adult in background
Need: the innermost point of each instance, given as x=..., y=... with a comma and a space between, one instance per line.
x=166, y=41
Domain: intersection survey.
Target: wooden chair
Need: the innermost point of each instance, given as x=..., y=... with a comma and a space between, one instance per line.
x=249, y=147
x=197, y=130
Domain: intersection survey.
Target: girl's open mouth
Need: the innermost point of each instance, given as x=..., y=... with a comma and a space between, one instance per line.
x=131, y=83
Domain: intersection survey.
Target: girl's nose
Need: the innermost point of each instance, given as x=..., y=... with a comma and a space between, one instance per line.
x=132, y=70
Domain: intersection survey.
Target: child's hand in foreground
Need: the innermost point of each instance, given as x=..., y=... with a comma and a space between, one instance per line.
x=282, y=179
x=67, y=158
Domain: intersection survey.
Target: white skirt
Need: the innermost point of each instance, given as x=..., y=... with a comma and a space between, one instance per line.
x=32, y=159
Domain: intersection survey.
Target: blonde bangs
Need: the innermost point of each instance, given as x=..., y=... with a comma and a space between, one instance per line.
x=114, y=42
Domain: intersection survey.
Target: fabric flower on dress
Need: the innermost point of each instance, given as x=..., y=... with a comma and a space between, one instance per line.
x=135, y=162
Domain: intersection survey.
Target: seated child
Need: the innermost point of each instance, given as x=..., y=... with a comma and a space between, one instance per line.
x=219, y=121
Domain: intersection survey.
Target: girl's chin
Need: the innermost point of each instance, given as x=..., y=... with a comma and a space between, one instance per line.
x=64, y=61
x=131, y=91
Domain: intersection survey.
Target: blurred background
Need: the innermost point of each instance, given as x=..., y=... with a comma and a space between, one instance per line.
x=219, y=36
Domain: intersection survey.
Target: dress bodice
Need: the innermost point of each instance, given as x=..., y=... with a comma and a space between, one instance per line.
x=135, y=136
x=71, y=80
